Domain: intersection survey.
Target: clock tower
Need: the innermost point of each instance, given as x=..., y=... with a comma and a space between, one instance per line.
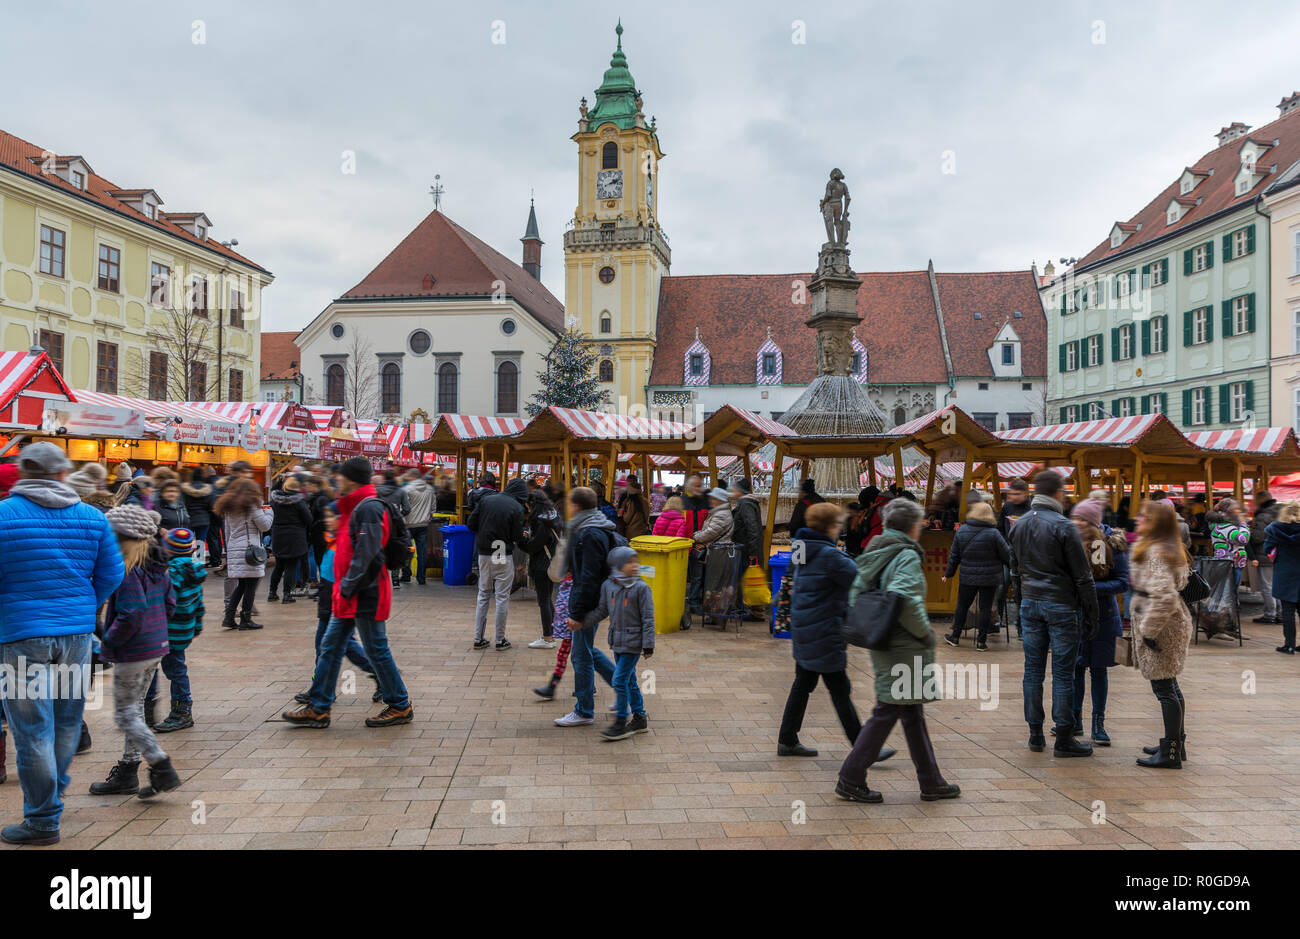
x=614, y=251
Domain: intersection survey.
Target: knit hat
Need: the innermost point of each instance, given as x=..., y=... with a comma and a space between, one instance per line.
x=179, y=541
x=131, y=521
x=1090, y=510
x=357, y=469
x=620, y=556
x=720, y=494
x=741, y=485
x=42, y=459
x=87, y=479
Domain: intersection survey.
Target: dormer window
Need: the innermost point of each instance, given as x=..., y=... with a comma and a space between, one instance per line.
x=697, y=363
x=149, y=211
x=78, y=180
x=1186, y=186
x=768, y=366
x=859, y=364
x=201, y=232
x=1172, y=215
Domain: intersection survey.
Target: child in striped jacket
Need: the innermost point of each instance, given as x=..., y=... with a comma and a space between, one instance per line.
x=183, y=626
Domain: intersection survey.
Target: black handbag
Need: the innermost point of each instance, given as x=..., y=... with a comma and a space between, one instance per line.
x=1197, y=588
x=254, y=554
x=871, y=620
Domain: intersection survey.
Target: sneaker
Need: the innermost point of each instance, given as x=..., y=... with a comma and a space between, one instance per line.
x=503, y=645
x=851, y=792
x=303, y=697
x=24, y=834
x=573, y=719
x=542, y=643
x=638, y=724
x=481, y=643
x=391, y=717
x=951, y=639
x=272, y=597
x=981, y=645
x=616, y=731
x=306, y=716
x=1285, y=650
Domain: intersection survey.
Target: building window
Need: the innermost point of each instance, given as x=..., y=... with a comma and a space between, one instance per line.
x=1157, y=334
x=199, y=299
x=983, y=386
x=335, y=384
x=1295, y=259
x=160, y=287
x=857, y=363
x=198, y=382
x=606, y=370
x=1242, y=320
x=986, y=419
x=337, y=330
x=769, y=363
x=52, y=249
x=419, y=342
x=1243, y=241
x=78, y=180
x=1071, y=356
x=697, y=363
x=1198, y=406
x=1199, y=259
x=508, y=327
x=110, y=268
x=447, y=382
x=1094, y=351
x=609, y=156
x=606, y=275
x=1239, y=397
x=148, y=210
x=158, y=376
x=1157, y=272
x=1200, y=326
x=507, y=388
x=1124, y=407
x=236, y=390
x=201, y=232
x=1156, y=404
x=390, y=388
x=1019, y=419
x=1008, y=353
x=606, y=326
x=237, y=309
x=1125, y=342
x=1124, y=284
x=52, y=343
x=1295, y=314
x=106, y=368
x=900, y=416
x=1070, y=414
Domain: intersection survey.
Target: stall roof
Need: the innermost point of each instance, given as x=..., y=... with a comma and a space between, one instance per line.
x=947, y=429
x=1261, y=441
x=21, y=371
x=733, y=429
x=458, y=429
x=287, y=415
x=1154, y=434
x=154, y=410
x=555, y=425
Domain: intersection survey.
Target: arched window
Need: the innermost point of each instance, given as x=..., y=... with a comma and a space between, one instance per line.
x=507, y=388
x=335, y=380
x=606, y=324
x=390, y=389
x=448, y=379
x=900, y=416
x=609, y=156
x=606, y=370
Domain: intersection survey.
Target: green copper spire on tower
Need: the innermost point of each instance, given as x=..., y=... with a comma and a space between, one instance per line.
x=616, y=96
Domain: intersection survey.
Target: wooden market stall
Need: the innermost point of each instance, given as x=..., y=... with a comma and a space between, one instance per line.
x=464, y=435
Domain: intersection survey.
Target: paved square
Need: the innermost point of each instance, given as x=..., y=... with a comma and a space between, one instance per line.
x=483, y=765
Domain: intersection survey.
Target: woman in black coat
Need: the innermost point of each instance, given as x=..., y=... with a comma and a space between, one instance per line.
x=543, y=537
x=981, y=552
x=1283, y=538
x=291, y=522
x=819, y=601
x=171, y=507
x=807, y=497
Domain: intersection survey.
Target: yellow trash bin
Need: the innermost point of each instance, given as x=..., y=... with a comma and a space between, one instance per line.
x=663, y=567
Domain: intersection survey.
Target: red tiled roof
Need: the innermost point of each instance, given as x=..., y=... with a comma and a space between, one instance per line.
x=899, y=327
x=1216, y=192
x=280, y=357
x=996, y=297
x=18, y=154
x=460, y=265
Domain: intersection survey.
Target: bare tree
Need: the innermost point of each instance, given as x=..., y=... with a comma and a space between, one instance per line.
x=185, y=355
x=361, y=378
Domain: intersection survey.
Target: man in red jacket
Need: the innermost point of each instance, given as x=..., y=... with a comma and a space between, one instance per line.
x=363, y=597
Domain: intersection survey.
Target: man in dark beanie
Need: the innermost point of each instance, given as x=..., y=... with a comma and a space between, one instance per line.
x=363, y=596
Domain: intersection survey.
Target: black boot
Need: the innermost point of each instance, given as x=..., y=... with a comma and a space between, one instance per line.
x=246, y=622
x=123, y=780
x=179, y=719
x=84, y=743
x=548, y=692
x=228, y=621
x=162, y=778
x=1182, y=748
x=1036, y=739
x=1166, y=757
x=1099, y=736
x=1067, y=746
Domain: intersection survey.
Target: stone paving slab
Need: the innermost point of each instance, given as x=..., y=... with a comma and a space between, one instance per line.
x=483, y=766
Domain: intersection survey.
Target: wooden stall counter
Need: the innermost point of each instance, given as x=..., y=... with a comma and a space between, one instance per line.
x=940, y=597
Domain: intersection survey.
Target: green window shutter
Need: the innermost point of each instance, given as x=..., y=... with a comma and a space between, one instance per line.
x=1146, y=337
x=1062, y=304
x=1187, y=261
x=1250, y=397
x=1250, y=313
x=1101, y=351
x=1209, y=324
x=1164, y=403
x=1062, y=420
x=1250, y=239
x=1061, y=352
x=1114, y=343
x=1164, y=270
x=1227, y=318
x=1227, y=247
x=1187, y=407
x=1187, y=328
x=1146, y=404
x=1114, y=407
x=1225, y=403
x=1209, y=255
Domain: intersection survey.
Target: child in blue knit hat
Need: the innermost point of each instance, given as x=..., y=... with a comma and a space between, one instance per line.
x=183, y=626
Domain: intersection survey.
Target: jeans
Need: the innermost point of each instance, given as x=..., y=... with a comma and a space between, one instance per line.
x=627, y=693
x=546, y=604
x=872, y=738
x=837, y=683
x=1100, y=689
x=965, y=595
x=374, y=640
x=46, y=728
x=130, y=684
x=355, y=654
x=494, y=576
x=175, y=671
x=587, y=661
x=1288, y=624
x=420, y=536
x=1048, y=624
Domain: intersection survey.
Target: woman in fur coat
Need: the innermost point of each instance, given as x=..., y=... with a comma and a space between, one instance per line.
x=1162, y=624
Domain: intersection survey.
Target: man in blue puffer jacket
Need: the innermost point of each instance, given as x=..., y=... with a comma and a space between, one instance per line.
x=59, y=562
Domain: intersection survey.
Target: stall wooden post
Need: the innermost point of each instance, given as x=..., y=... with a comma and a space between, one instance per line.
x=804, y=469
x=773, y=491
x=871, y=470
x=611, y=469
x=996, y=482
x=1236, y=479
x=567, y=470
x=965, y=485
x=1119, y=491
x=898, y=467
x=929, y=480
x=749, y=470
x=645, y=475
x=713, y=467
x=505, y=464
x=1139, y=484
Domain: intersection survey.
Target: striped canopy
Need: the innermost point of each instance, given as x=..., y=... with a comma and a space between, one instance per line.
x=1111, y=431
x=1262, y=440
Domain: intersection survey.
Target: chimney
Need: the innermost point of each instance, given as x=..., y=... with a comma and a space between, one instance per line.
x=1289, y=104
x=1233, y=131
x=532, y=245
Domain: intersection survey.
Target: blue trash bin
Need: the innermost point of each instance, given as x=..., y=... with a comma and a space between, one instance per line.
x=457, y=554
x=778, y=564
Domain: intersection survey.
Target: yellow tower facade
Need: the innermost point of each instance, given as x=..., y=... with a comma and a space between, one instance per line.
x=615, y=253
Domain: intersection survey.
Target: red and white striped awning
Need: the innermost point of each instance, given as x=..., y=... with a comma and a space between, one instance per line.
x=26, y=382
x=1111, y=431
x=1261, y=440
x=598, y=425
x=1023, y=469
x=468, y=427
x=156, y=410
x=322, y=416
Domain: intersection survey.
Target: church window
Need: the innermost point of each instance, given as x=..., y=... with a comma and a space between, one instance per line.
x=606, y=325
x=390, y=388
x=606, y=370
x=335, y=380
x=337, y=330
x=609, y=156
x=419, y=342
x=900, y=416
x=507, y=388
x=448, y=380
x=508, y=327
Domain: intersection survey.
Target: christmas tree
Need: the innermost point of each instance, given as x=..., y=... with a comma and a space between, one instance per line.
x=568, y=381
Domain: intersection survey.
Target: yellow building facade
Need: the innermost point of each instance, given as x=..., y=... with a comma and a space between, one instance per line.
x=111, y=285
x=615, y=253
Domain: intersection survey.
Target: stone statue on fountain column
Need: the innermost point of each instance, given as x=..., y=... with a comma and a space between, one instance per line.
x=835, y=209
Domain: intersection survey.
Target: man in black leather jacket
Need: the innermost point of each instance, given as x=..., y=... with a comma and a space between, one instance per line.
x=1054, y=582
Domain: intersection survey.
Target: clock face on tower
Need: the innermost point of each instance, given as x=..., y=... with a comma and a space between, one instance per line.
x=609, y=184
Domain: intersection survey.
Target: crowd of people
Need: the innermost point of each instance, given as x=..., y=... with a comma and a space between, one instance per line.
x=107, y=571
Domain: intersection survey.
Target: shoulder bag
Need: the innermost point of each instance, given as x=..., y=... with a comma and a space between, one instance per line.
x=871, y=620
x=254, y=554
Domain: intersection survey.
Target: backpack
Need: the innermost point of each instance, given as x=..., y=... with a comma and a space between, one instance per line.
x=397, y=549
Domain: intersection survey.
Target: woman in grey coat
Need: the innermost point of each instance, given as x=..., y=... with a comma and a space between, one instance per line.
x=240, y=508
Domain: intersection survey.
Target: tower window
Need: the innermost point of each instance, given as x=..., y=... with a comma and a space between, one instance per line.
x=606, y=275
x=900, y=416
x=606, y=370
x=605, y=323
x=609, y=156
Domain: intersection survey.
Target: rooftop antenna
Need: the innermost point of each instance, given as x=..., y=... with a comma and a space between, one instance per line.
x=436, y=190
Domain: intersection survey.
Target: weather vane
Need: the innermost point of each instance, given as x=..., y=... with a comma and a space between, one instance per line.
x=436, y=190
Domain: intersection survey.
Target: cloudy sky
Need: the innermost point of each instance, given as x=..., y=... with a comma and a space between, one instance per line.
x=1058, y=118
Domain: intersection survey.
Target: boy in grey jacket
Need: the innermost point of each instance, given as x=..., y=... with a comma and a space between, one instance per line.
x=625, y=598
